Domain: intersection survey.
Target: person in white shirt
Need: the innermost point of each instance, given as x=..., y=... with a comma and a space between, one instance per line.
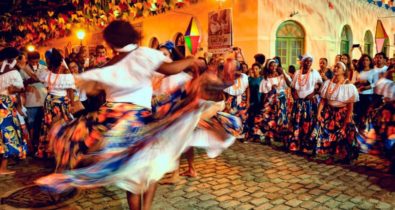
x=365, y=85
x=12, y=143
x=34, y=95
x=238, y=98
x=336, y=133
x=273, y=119
x=305, y=83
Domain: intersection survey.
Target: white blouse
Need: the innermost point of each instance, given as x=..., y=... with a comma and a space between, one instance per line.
x=11, y=78
x=386, y=88
x=57, y=84
x=239, y=87
x=367, y=76
x=308, y=88
x=171, y=82
x=345, y=93
x=279, y=81
x=129, y=80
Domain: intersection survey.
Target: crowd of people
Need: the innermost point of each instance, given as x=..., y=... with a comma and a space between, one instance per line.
x=330, y=114
x=126, y=120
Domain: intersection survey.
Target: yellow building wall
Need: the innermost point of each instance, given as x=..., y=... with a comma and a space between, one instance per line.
x=322, y=25
x=255, y=23
x=245, y=21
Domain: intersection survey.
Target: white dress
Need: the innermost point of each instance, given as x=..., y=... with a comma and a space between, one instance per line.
x=304, y=90
x=57, y=84
x=153, y=153
x=238, y=88
x=279, y=82
x=341, y=96
x=385, y=88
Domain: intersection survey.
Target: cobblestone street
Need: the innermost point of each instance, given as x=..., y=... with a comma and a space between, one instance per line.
x=246, y=176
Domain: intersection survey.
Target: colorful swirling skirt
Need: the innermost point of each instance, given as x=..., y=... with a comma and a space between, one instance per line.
x=217, y=133
x=123, y=144
x=334, y=138
x=303, y=121
x=274, y=119
x=55, y=108
x=12, y=143
x=378, y=138
x=238, y=109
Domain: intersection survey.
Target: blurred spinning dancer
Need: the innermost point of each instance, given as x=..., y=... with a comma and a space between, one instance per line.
x=122, y=143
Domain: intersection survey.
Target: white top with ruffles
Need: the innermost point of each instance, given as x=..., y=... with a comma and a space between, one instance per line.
x=169, y=83
x=346, y=93
x=279, y=81
x=367, y=76
x=57, y=84
x=11, y=78
x=239, y=87
x=308, y=88
x=386, y=88
x=129, y=80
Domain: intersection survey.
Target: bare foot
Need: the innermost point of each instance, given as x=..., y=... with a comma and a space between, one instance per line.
x=189, y=173
x=6, y=172
x=170, y=181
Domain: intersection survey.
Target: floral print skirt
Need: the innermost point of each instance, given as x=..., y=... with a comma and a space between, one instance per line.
x=12, y=141
x=334, y=138
x=56, y=108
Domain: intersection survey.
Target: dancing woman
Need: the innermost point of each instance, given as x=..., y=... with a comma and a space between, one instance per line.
x=274, y=124
x=12, y=143
x=336, y=132
x=238, y=98
x=303, y=117
x=58, y=103
x=120, y=143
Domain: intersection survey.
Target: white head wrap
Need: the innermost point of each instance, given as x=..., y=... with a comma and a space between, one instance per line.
x=307, y=55
x=343, y=65
x=270, y=61
x=5, y=63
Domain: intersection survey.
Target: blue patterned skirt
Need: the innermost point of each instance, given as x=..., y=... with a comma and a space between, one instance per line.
x=12, y=143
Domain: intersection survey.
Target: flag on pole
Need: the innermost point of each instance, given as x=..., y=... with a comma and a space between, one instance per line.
x=381, y=36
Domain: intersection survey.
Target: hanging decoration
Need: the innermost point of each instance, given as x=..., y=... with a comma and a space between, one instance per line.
x=330, y=5
x=88, y=13
x=192, y=36
x=381, y=36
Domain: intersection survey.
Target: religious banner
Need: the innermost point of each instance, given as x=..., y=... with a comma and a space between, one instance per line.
x=220, y=31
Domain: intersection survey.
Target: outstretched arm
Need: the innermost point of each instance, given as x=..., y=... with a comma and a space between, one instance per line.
x=178, y=66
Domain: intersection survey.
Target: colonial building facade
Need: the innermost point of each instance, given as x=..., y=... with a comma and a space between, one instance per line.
x=323, y=28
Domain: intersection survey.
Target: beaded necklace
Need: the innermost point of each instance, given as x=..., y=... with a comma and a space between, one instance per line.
x=330, y=92
x=50, y=85
x=303, y=82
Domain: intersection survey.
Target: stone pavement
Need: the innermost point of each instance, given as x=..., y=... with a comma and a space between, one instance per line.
x=246, y=176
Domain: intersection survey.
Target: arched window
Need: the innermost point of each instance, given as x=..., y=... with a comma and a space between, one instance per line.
x=289, y=43
x=368, y=43
x=179, y=41
x=154, y=43
x=346, y=40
